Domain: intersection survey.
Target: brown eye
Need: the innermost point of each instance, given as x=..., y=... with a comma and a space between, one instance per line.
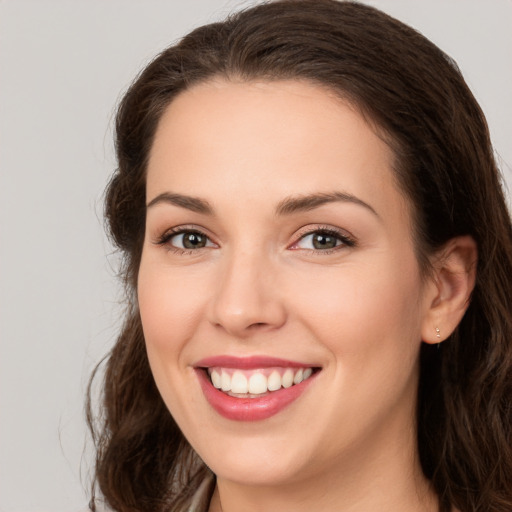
x=193, y=240
x=320, y=240
x=190, y=240
x=324, y=241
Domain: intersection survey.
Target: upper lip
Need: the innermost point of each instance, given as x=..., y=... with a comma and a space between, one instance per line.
x=248, y=363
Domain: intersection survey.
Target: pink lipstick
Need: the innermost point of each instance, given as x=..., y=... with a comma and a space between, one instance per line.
x=252, y=388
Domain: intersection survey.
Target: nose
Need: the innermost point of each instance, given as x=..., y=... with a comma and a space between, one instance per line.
x=247, y=298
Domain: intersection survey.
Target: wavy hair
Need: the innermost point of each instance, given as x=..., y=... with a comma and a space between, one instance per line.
x=415, y=95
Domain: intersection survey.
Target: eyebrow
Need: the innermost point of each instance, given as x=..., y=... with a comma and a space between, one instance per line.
x=194, y=204
x=310, y=202
x=287, y=206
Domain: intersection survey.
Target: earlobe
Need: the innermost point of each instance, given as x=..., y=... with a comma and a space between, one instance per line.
x=451, y=286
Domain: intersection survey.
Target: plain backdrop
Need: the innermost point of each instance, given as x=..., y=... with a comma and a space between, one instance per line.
x=63, y=67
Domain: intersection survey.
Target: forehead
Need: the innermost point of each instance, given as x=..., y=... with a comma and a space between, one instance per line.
x=270, y=139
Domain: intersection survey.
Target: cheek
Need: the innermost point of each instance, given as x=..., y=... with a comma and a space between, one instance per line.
x=370, y=322
x=363, y=311
x=170, y=306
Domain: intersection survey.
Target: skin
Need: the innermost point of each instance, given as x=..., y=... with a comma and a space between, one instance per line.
x=259, y=287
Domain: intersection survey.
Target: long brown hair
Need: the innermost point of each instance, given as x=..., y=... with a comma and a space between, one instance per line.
x=415, y=95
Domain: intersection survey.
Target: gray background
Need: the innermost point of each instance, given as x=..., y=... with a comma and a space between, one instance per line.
x=63, y=66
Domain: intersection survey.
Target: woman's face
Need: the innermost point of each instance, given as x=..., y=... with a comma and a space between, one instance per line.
x=279, y=247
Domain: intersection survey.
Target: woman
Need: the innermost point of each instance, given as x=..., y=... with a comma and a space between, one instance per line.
x=318, y=256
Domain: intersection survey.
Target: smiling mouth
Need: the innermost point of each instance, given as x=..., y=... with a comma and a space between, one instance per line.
x=253, y=388
x=256, y=383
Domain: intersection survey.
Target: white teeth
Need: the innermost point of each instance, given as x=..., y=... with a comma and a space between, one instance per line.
x=239, y=383
x=274, y=381
x=225, y=382
x=298, y=377
x=216, y=379
x=257, y=382
x=287, y=378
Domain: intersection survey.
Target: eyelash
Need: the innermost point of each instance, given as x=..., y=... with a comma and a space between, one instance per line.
x=346, y=240
x=166, y=237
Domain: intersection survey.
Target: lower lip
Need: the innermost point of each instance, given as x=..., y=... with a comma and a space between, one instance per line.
x=250, y=409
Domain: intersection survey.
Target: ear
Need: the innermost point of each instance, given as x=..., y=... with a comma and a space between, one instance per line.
x=450, y=288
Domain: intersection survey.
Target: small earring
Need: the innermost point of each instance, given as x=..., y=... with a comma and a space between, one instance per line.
x=438, y=332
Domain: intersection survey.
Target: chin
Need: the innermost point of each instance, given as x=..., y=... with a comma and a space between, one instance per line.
x=257, y=467
x=257, y=459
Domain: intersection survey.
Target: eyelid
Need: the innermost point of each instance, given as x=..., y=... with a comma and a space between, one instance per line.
x=165, y=238
x=347, y=239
